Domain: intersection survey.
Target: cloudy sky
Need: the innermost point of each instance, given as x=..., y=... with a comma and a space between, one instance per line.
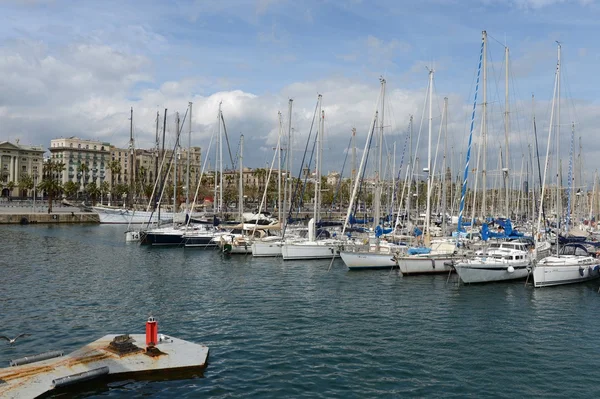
x=75, y=69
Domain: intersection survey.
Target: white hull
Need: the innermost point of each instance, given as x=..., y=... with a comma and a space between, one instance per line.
x=565, y=270
x=485, y=273
x=126, y=216
x=368, y=260
x=411, y=265
x=266, y=249
x=309, y=250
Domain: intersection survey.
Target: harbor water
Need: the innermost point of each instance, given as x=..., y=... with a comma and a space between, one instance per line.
x=295, y=329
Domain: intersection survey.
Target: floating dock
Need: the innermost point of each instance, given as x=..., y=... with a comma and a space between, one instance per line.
x=115, y=356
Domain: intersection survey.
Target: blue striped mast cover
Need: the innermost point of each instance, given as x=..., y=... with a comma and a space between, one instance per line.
x=466, y=174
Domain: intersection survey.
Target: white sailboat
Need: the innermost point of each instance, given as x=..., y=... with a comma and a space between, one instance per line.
x=572, y=263
x=504, y=260
x=313, y=248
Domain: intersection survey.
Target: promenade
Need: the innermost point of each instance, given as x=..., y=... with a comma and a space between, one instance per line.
x=24, y=212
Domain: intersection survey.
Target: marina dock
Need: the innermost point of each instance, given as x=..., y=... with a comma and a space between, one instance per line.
x=111, y=357
x=32, y=215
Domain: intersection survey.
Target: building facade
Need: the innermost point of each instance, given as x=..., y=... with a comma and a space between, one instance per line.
x=86, y=161
x=17, y=163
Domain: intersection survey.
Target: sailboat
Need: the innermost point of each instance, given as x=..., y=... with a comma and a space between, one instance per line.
x=128, y=215
x=572, y=263
x=314, y=248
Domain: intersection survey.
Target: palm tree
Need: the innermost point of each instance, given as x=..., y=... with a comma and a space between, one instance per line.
x=70, y=189
x=82, y=171
x=50, y=183
x=10, y=186
x=26, y=183
x=115, y=168
x=104, y=188
x=92, y=191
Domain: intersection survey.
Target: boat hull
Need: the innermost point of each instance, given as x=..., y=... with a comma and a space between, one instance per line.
x=484, y=273
x=309, y=251
x=126, y=216
x=266, y=249
x=545, y=275
x=415, y=265
x=368, y=261
x=162, y=239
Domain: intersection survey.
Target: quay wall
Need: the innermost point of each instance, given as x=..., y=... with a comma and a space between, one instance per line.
x=49, y=218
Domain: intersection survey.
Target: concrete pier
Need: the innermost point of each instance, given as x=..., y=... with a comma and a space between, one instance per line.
x=19, y=214
x=109, y=358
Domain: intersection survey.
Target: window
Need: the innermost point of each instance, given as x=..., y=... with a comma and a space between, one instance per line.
x=78, y=145
x=87, y=147
x=94, y=147
x=71, y=145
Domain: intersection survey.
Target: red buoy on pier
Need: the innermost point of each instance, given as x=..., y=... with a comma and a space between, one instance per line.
x=151, y=331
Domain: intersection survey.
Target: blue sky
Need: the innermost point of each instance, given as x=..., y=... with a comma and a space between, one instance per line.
x=75, y=68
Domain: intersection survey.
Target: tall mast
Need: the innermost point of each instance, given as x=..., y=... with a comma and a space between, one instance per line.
x=484, y=124
x=175, y=156
x=410, y=168
x=279, y=214
x=189, y=156
x=131, y=159
x=353, y=175
x=506, y=133
x=241, y=183
x=558, y=165
x=444, y=176
x=317, y=171
x=220, y=162
x=428, y=211
x=162, y=156
x=157, y=150
x=288, y=158
x=379, y=173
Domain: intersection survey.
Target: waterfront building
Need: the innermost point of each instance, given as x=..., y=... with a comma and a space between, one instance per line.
x=86, y=161
x=18, y=164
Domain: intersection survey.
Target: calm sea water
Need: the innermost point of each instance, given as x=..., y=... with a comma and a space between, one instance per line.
x=294, y=329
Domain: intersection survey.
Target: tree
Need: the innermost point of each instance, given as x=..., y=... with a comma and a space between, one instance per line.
x=120, y=190
x=26, y=182
x=50, y=183
x=70, y=189
x=104, y=189
x=115, y=168
x=82, y=171
x=10, y=186
x=92, y=191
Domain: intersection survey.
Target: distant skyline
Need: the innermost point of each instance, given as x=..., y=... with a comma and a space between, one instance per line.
x=75, y=69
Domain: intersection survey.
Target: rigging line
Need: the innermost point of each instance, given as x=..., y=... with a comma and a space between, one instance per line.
x=337, y=189
x=365, y=169
x=292, y=200
x=227, y=139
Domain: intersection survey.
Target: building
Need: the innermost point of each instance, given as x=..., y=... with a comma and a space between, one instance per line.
x=19, y=163
x=86, y=161
x=333, y=178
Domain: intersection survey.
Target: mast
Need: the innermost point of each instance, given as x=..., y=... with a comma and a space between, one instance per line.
x=378, y=175
x=353, y=174
x=428, y=211
x=484, y=124
x=241, y=182
x=444, y=179
x=410, y=169
x=162, y=157
x=559, y=173
x=131, y=160
x=157, y=150
x=506, y=133
x=189, y=156
x=220, y=163
x=175, y=156
x=288, y=167
x=317, y=160
x=279, y=214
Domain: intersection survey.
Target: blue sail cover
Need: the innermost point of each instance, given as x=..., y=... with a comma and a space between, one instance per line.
x=506, y=231
x=418, y=251
x=379, y=231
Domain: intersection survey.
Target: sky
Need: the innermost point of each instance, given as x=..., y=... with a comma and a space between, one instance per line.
x=76, y=69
